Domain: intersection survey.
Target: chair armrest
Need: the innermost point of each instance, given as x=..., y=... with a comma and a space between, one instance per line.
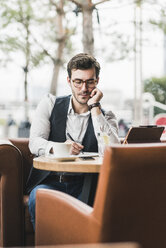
x=62, y=219
x=11, y=195
x=22, y=145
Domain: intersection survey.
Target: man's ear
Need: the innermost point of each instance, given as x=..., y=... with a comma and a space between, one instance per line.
x=69, y=80
x=98, y=80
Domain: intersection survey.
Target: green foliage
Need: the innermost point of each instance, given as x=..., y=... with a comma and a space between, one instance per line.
x=161, y=22
x=15, y=23
x=138, y=2
x=38, y=58
x=2, y=121
x=29, y=26
x=9, y=43
x=157, y=87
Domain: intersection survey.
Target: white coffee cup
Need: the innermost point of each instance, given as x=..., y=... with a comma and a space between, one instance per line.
x=61, y=149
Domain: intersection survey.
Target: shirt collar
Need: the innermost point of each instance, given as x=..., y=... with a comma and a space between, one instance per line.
x=71, y=110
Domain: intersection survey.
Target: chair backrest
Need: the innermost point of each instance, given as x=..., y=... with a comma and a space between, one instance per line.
x=130, y=200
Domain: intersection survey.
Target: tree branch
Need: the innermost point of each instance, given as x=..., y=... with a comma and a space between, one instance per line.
x=59, y=9
x=42, y=47
x=76, y=2
x=54, y=4
x=102, y=1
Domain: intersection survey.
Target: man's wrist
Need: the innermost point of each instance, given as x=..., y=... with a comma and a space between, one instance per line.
x=97, y=104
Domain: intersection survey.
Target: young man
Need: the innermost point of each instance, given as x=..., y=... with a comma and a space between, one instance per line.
x=80, y=115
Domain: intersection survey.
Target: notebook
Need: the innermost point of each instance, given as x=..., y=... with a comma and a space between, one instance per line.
x=85, y=155
x=144, y=134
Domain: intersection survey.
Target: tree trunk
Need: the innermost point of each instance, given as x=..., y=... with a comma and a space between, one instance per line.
x=87, y=7
x=26, y=69
x=61, y=39
x=88, y=38
x=25, y=84
x=57, y=66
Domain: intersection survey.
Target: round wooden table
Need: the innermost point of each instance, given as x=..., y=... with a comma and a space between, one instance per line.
x=91, y=168
x=78, y=165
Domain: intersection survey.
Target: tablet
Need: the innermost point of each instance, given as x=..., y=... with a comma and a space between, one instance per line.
x=144, y=134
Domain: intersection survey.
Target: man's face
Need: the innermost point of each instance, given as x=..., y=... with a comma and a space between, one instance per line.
x=82, y=93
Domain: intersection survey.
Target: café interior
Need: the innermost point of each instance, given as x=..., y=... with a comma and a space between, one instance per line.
x=123, y=201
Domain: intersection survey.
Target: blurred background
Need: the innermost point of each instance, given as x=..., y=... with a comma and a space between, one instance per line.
x=38, y=37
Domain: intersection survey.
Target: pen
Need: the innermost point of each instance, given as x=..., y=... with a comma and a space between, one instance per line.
x=73, y=140
x=70, y=137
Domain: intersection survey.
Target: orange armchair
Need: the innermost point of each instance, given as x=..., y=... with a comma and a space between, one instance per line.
x=130, y=203
x=15, y=226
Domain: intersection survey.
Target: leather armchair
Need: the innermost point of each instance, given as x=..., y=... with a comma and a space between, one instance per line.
x=130, y=203
x=15, y=226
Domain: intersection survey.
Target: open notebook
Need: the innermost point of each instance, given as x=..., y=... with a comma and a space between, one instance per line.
x=144, y=134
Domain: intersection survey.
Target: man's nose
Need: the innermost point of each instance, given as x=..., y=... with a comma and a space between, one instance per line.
x=84, y=86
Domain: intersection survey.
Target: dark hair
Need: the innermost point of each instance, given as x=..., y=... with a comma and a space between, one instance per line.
x=83, y=61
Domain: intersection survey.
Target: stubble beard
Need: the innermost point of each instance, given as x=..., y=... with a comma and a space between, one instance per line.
x=76, y=96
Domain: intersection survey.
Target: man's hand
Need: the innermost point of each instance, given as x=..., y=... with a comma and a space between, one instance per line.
x=76, y=147
x=95, y=96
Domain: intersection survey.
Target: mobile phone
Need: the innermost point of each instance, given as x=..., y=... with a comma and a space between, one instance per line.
x=87, y=158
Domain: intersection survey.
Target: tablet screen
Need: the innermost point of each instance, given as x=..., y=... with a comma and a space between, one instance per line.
x=144, y=134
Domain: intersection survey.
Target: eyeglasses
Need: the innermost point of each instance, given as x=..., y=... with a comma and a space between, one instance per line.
x=90, y=83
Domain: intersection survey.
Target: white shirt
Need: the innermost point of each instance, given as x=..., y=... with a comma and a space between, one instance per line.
x=76, y=125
